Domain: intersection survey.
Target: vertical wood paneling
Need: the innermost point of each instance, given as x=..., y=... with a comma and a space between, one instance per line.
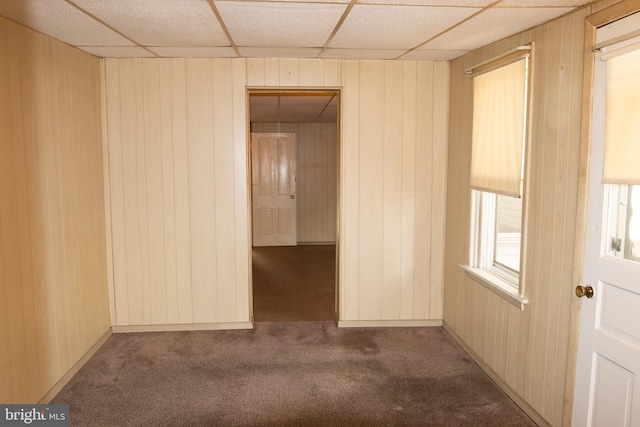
x=392, y=142
x=424, y=158
x=224, y=189
x=200, y=127
x=169, y=267
x=407, y=219
x=155, y=192
x=241, y=191
x=392, y=202
x=370, y=191
x=349, y=172
x=438, y=187
x=527, y=349
x=180, y=140
x=311, y=72
x=182, y=231
x=53, y=264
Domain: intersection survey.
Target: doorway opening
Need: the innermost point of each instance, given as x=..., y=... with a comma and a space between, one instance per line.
x=294, y=146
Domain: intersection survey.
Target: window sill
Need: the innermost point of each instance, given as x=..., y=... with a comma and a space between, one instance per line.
x=497, y=285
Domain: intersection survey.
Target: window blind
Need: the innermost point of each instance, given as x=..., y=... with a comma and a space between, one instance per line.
x=499, y=98
x=622, y=117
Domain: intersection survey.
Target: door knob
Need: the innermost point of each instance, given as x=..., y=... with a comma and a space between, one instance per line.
x=293, y=196
x=584, y=291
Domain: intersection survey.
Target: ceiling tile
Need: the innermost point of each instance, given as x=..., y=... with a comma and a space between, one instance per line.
x=218, y=2
x=318, y=102
x=61, y=21
x=445, y=3
x=362, y=53
x=275, y=52
x=433, y=55
x=193, y=52
x=161, y=22
x=117, y=51
x=280, y=24
x=492, y=25
x=543, y=3
x=395, y=27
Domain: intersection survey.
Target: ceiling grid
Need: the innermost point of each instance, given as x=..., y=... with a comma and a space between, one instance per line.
x=436, y=30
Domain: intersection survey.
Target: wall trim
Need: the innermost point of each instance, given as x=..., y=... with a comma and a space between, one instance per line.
x=58, y=386
x=388, y=323
x=182, y=327
x=519, y=400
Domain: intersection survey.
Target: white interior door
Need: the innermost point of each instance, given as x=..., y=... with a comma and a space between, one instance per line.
x=273, y=185
x=607, y=392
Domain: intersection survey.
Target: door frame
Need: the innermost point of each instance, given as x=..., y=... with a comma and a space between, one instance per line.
x=314, y=90
x=592, y=22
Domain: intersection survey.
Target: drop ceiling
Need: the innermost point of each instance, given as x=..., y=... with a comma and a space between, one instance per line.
x=358, y=29
x=307, y=107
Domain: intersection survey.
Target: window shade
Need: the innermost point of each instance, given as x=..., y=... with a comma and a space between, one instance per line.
x=622, y=120
x=499, y=98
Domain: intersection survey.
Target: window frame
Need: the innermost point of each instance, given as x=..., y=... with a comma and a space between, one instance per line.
x=480, y=250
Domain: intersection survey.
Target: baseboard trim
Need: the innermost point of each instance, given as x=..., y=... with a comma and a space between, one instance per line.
x=74, y=369
x=182, y=327
x=388, y=323
x=519, y=400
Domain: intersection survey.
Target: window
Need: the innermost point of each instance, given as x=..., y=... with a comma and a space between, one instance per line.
x=621, y=170
x=623, y=225
x=500, y=98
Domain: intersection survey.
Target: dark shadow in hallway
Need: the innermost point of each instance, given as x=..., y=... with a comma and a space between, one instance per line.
x=294, y=283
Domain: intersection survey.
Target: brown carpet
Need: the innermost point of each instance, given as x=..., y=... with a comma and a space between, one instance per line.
x=294, y=283
x=286, y=374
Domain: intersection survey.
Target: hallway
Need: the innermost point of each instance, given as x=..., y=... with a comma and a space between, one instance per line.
x=294, y=283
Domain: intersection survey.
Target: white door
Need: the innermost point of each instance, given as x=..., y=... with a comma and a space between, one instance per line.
x=273, y=188
x=607, y=392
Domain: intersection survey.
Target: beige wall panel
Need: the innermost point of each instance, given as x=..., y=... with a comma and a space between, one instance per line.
x=392, y=193
x=438, y=185
x=349, y=176
x=155, y=192
x=371, y=187
x=53, y=264
x=223, y=169
x=170, y=297
x=424, y=158
x=200, y=118
x=311, y=72
x=255, y=71
x=527, y=349
x=409, y=120
x=179, y=137
x=288, y=69
x=241, y=192
x=272, y=72
x=184, y=226
x=372, y=174
x=200, y=125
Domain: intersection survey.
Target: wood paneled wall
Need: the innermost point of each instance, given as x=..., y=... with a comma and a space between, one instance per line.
x=178, y=190
x=317, y=183
x=177, y=148
x=393, y=177
x=54, y=304
x=527, y=350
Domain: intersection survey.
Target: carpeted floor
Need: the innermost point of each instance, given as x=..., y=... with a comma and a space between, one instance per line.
x=286, y=374
x=294, y=283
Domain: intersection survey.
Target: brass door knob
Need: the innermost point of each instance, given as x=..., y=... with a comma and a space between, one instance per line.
x=584, y=291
